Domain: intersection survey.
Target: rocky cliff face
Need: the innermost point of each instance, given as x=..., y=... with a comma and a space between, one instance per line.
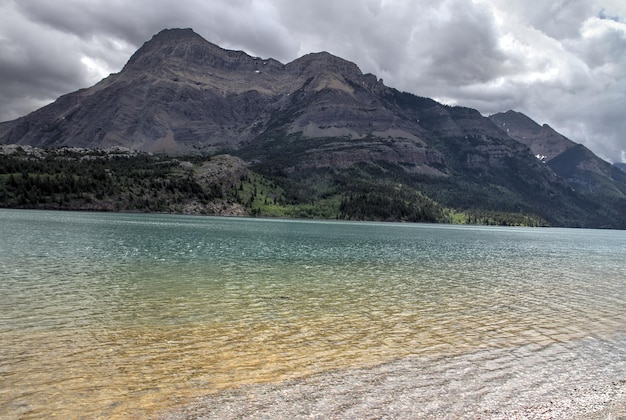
x=583, y=170
x=177, y=93
x=542, y=140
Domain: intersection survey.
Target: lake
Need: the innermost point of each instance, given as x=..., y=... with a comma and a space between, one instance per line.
x=126, y=315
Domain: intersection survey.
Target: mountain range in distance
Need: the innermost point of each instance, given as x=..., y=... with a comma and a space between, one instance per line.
x=324, y=132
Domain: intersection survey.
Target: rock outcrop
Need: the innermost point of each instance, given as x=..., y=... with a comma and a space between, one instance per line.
x=543, y=141
x=576, y=164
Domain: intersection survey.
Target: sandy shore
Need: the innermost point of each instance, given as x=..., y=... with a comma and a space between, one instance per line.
x=584, y=379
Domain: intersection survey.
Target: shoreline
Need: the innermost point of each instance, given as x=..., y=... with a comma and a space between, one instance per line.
x=583, y=379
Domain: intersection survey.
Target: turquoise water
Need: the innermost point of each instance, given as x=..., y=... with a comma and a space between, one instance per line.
x=114, y=315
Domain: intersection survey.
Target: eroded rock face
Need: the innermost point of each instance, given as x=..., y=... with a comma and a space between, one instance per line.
x=543, y=141
x=577, y=165
x=177, y=93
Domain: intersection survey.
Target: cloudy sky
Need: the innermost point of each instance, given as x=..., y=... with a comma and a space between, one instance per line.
x=562, y=62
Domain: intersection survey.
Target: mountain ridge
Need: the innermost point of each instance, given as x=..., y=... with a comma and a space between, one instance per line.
x=542, y=140
x=579, y=166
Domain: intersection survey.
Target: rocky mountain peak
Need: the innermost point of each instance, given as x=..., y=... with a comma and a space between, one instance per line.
x=175, y=34
x=323, y=62
x=543, y=141
x=515, y=121
x=175, y=48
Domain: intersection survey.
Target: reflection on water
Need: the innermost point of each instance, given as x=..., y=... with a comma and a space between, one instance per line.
x=115, y=315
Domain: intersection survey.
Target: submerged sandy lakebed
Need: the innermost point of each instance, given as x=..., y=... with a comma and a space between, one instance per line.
x=141, y=315
x=581, y=379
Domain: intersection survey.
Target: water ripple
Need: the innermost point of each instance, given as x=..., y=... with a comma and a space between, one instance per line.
x=118, y=315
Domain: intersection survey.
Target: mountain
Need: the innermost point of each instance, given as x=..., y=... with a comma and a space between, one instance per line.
x=582, y=169
x=328, y=135
x=543, y=141
x=177, y=93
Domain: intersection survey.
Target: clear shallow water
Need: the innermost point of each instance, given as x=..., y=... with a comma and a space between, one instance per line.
x=126, y=314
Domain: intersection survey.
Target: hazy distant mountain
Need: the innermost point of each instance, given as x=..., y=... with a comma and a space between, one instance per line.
x=324, y=129
x=543, y=141
x=582, y=169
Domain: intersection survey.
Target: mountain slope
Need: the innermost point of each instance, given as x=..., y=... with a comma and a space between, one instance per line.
x=577, y=165
x=543, y=141
x=178, y=92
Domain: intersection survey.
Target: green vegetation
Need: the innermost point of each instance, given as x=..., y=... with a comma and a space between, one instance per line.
x=98, y=180
x=80, y=179
x=73, y=179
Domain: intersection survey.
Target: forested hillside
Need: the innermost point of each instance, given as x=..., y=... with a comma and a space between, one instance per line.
x=117, y=180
